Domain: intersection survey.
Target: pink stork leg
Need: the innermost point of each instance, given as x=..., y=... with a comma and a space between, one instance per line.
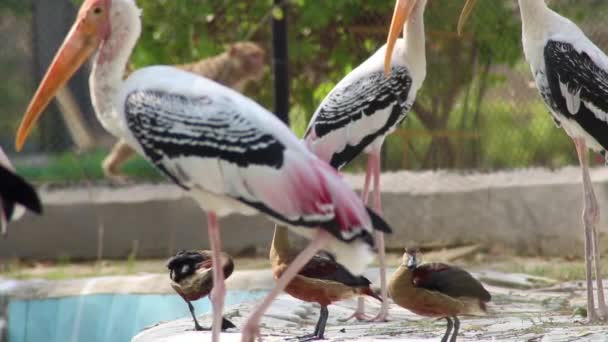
x=359, y=313
x=368, y=174
x=251, y=329
x=601, y=301
x=219, y=287
x=590, y=219
x=383, y=314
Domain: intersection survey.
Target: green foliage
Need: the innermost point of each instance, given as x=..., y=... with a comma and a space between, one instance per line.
x=182, y=31
x=16, y=7
x=494, y=28
x=523, y=138
x=327, y=39
x=82, y=167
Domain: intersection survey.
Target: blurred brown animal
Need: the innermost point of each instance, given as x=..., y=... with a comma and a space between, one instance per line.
x=241, y=63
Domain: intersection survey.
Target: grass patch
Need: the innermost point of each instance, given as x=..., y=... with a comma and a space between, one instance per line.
x=554, y=268
x=70, y=166
x=61, y=269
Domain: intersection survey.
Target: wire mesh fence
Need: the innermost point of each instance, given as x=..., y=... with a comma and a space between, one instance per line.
x=477, y=110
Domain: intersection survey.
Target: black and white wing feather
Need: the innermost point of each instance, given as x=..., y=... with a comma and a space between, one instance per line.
x=172, y=126
x=358, y=111
x=578, y=88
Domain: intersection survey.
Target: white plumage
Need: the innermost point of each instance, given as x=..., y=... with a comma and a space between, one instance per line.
x=571, y=74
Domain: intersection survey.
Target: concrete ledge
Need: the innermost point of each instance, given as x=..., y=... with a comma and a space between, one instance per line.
x=151, y=283
x=533, y=211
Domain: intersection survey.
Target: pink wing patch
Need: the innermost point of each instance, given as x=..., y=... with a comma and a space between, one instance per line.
x=310, y=190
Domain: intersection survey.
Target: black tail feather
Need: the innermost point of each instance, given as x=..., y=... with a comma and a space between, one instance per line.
x=15, y=189
x=378, y=222
x=226, y=324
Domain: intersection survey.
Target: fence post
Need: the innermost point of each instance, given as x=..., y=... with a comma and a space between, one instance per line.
x=280, y=60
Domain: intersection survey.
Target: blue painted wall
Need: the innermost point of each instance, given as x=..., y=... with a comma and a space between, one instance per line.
x=101, y=318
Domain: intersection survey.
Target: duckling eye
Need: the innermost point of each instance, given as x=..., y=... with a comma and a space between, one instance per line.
x=97, y=10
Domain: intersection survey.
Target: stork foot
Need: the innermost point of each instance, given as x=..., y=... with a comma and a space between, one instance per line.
x=358, y=315
x=382, y=316
x=118, y=178
x=251, y=333
x=592, y=317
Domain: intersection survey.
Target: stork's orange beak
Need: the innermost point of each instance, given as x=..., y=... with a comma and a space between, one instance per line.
x=464, y=15
x=403, y=9
x=82, y=40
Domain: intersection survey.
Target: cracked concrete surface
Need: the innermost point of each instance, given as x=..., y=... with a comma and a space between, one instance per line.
x=534, y=314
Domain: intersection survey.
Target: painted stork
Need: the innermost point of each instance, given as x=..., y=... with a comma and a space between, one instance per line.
x=15, y=195
x=571, y=74
x=368, y=104
x=225, y=150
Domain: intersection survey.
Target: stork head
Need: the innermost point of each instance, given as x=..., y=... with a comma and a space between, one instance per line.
x=464, y=15
x=91, y=28
x=403, y=9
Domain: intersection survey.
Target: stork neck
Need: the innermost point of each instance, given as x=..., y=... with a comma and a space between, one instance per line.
x=534, y=16
x=414, y=37
x=111, y=60
x=279, y=250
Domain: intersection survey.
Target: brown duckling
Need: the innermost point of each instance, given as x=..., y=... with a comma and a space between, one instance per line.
x=437, y=290
x=192, y=278
x=322, y=280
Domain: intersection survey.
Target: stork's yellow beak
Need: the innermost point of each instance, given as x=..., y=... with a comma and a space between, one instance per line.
x=403, y=9
x=81, y=42
x=464, y=15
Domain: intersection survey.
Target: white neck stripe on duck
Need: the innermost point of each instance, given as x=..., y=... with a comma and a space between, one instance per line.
x=111, y=60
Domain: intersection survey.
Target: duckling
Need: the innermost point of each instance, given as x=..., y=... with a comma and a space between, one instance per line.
x=192, y=278
x=437, y=290
x=322, y=280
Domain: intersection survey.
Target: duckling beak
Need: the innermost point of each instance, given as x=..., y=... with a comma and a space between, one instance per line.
x=464, y=15
x=403, y=9
x=411, y=261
